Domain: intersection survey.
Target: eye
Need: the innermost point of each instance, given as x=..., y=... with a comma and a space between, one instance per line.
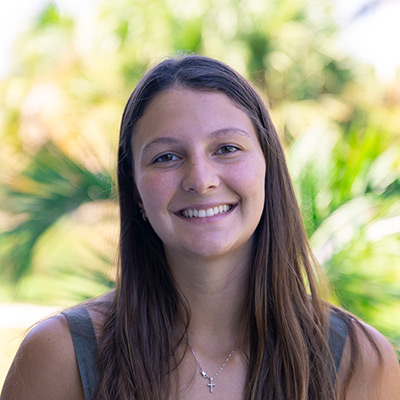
x=227, y=149
x=167, y=157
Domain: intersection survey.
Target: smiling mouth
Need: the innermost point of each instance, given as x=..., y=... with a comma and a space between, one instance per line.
x=209, y=212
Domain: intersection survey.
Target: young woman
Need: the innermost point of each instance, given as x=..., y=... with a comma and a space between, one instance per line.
x=216, y=296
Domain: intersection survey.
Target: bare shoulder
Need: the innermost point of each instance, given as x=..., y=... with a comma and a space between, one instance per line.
x=45, y=366
x=376, y=375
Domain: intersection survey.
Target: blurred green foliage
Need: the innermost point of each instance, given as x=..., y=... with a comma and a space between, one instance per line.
x=59, y=126
x=52, y=186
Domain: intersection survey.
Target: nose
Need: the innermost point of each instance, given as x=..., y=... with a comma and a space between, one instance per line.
x=201, y=175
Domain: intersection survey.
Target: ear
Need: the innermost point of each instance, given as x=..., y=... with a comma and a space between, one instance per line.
x=136, y=195
x=138, y=199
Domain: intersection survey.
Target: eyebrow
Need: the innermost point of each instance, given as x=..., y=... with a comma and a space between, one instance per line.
x=227, y=131
x=174, y=140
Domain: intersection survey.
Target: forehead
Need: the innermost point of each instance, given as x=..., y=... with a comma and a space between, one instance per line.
x=184, y=112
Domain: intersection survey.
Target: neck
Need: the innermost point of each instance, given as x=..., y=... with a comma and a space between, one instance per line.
x=216, y=292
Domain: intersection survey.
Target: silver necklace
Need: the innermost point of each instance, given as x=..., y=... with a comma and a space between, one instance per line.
x=204, y=373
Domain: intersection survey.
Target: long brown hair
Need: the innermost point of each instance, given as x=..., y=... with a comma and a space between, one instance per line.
x=286, y=320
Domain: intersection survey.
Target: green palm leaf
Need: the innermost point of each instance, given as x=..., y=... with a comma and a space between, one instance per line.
x=52, y=186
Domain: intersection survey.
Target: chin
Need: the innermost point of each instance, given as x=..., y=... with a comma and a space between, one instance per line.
x=213, y=250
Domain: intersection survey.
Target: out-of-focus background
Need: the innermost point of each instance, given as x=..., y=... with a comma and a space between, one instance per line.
x=329, y=71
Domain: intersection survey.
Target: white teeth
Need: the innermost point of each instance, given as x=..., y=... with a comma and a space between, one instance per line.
x=209, y=212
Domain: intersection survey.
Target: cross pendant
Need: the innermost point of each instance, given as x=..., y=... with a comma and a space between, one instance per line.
x=211, y=384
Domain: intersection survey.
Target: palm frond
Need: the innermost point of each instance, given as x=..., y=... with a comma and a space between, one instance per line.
x=52, y=186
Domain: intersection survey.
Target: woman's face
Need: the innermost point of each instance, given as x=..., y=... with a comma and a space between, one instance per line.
x=200, y=172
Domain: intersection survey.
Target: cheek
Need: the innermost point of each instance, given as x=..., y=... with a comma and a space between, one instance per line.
x=253, y=182
x=154, y=191
x=252, y=178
